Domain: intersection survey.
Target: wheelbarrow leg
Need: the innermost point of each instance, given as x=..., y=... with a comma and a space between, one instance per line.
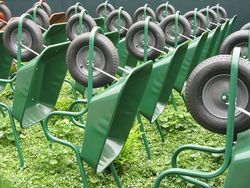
x=173, y=100
x=160, y=130
x=48, y=139
x=144, y=137
x=81, y=168
x=115, y=175
x=15, y=135
x=73, y=90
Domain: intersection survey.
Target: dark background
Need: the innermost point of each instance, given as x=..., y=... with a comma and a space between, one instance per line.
x=239, y=7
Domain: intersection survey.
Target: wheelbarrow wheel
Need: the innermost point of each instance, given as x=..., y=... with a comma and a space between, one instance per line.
x=5, y=14
x=212, y=17
x=101, y=12
x=222, y=13
x=168, y=27
x=125, y=21
x=31, y=37
x=72, y=27
x=246, y=26
x=106, y=58
x=42, y=18
x=139, y=14
x=200, y=21
x=135, y=38
x=207, y=92
x=45, y=7
x=72, y=10
x=236, y=39
x=161, y=11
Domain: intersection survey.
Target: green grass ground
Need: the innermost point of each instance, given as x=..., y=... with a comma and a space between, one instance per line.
x=56, y=167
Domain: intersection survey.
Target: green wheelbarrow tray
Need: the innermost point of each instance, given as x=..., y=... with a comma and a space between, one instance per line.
x=231, y=25
x=161, y=83
x=125, y=58
x=113, y=36
x=5, y=63
x=111, y=116
x=221, y=37
x=239, y=168
x=190, y=61
x=100, y=22
x=55, y=34
x=38, y=85
x=210, y=42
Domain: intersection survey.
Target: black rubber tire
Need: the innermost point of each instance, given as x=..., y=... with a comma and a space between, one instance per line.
x=161, y=9
x=10, y=40
x=42, y=16
x=236, y=39
x=155, y=32
x=71, y=11
x=201, y=21
x=201, y=75
x=45, y=7
x=88, y=24
x=222, y=13
x=113, y=16
x=5, y=14
x=212, y=16
x=169, y=34
x=140, y=12
x=246, y=26
x=109, y=52
x=101, y=8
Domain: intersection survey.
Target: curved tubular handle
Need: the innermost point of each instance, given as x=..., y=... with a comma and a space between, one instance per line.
x=176, y=29
x=166, y=9
x=145, y=10
x=91, y=60
x=249, y=46
x=195, y=22
x=229, y=137
x=19, y=37
x=146, y=25
x=76, y=6
x=217, y=10
x=35, y=10
x=82, y=13
x=105, y=8
x=119, y=21
x=207, y=16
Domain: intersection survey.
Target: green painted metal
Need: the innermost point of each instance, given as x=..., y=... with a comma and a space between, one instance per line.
x=36, y=95
x=161, y=83
x=82, y=13
x=190, y=175
x=248, y=47
x=207, y=17
x=100, y=22
x=110, y=130
x=145, y=11
x=220, y=39
x=238, y=172
x=195, y=22
x=231, y=25
x=113, y=36
x=5, y=64
x=207, y=49
x=126, y=59
x=190, y=61
x=119, y=21
x=146, y=25
x=176, y=29
x=166, y=9
x=15, y=135
x=19, y=38
x=55, y=34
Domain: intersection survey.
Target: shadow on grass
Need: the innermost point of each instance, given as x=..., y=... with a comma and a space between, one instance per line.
x=4, y=183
